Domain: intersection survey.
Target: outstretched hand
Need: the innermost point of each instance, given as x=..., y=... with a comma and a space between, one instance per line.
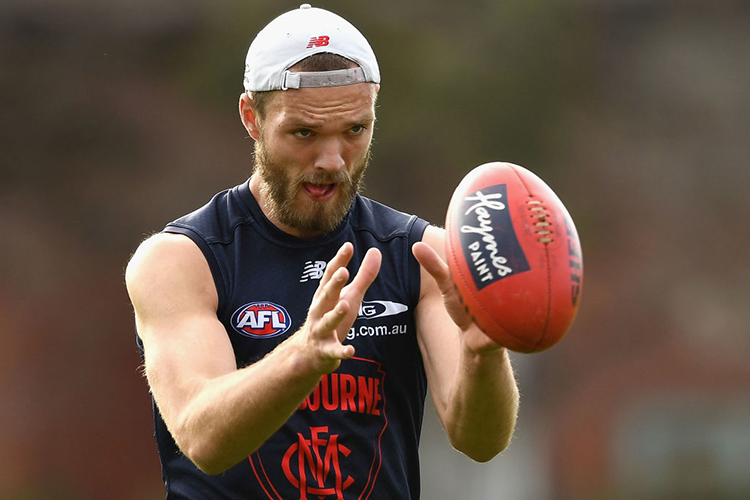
x=335, y=306
x=429, y=259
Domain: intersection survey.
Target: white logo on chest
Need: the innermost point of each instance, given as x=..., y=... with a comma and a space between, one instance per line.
x=313, y=270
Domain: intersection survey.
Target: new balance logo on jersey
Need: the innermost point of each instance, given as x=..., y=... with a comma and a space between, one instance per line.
x=318, y=41
x=313, y=270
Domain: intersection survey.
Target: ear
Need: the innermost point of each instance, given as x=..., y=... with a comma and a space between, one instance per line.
x=249, y=116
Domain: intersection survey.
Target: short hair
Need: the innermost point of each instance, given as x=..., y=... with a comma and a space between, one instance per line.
x=324, y=61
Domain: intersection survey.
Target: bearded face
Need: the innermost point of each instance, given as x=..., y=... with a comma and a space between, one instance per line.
x=287, y=203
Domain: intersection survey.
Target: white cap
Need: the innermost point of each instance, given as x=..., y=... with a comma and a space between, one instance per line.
x=298, y=34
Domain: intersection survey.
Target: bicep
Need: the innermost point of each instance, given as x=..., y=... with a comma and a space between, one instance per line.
x=175, y=302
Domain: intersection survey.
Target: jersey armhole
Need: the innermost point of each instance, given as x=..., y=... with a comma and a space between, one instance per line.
x=416, y=233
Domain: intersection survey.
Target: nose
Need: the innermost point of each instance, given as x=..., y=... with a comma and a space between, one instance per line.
x=330, y=155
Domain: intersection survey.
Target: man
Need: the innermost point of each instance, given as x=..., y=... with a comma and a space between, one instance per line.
x=290, y=326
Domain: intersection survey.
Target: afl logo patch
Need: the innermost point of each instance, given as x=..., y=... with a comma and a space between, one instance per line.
x=261, y=320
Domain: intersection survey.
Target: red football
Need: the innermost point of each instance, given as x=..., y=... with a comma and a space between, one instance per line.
x=515, y=256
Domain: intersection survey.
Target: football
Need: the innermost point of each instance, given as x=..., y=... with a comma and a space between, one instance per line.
x=514, y=256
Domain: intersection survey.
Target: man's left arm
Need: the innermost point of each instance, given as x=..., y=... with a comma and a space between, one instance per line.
x=470, y=377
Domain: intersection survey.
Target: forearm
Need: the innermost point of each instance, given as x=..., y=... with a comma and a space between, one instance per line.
x=229, y=417
x=482, y=406
x=219, y=415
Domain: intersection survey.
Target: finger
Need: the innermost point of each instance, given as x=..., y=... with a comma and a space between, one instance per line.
x=366, y=274
x=339, y=351
x=327, y=328
x=429, y=259
x=368, y=271
x=328, y=294
x=341, y=259
x=431, y=262
x=332, y=319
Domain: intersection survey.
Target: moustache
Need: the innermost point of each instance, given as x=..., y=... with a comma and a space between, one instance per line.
x=340, y=177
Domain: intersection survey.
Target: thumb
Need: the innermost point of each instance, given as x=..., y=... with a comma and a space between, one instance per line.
x=429, y=259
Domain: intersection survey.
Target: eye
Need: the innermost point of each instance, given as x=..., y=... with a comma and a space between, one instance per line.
x=302, y=133
x=357, y=129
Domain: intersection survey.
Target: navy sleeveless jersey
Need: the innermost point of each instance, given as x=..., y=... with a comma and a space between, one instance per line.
x=356, y=435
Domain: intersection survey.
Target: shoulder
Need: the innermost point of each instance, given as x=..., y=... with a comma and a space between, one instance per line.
x=383, y=221
x=216, y=220
x=159, y=246
x=160, y=254
x=167, y=264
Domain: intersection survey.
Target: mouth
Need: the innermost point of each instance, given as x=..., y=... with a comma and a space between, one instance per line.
x=319, y=192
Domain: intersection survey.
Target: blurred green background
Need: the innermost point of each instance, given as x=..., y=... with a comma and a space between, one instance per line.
x=117, y=117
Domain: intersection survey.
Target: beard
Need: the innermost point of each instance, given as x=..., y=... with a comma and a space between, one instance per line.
x=280, y=191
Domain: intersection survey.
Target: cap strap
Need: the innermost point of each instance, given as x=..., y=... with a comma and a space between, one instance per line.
x=296, y=80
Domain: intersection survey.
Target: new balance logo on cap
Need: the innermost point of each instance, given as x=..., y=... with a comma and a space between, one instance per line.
x=318, y=41
x=296, y=34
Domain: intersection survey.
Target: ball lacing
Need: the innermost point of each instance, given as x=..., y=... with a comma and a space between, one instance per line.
x=543, y=227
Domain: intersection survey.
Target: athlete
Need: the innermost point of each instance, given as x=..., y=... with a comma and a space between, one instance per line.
x=290, y=328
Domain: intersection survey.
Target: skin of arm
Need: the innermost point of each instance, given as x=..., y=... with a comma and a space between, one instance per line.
x=218, y=414
x=470, y=377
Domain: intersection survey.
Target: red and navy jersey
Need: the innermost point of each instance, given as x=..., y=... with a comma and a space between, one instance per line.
x=356, y=435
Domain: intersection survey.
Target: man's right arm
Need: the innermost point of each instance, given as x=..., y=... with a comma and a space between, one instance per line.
x=217, y=414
